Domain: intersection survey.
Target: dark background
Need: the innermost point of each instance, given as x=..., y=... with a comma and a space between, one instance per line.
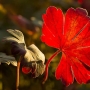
x=26, y=15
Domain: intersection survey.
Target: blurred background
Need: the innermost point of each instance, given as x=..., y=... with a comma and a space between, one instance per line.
x=26, y=15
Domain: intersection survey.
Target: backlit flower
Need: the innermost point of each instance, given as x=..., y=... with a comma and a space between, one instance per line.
x=70, y=34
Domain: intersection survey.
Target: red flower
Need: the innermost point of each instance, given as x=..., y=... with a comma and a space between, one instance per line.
x=70, y=34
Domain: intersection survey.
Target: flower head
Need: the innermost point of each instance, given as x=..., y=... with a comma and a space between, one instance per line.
x=13, y=46
x=70, y=34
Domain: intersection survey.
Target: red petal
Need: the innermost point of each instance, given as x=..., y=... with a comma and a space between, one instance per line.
x=82, y=54
x=53, y=20
x=75, y=21
x=83, y=38
x=49, y=38
x=64, y=71
x=26, y=70
x=81, y=74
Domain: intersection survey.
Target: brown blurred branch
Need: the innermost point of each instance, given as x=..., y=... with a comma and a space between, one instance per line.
x=27, y=26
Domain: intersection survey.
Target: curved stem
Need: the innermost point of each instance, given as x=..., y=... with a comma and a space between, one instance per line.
x=18, y=69
x=47, y=64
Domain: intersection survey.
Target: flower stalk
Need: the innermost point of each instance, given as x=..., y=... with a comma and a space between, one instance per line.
x=18, y=73
x=47, y=65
